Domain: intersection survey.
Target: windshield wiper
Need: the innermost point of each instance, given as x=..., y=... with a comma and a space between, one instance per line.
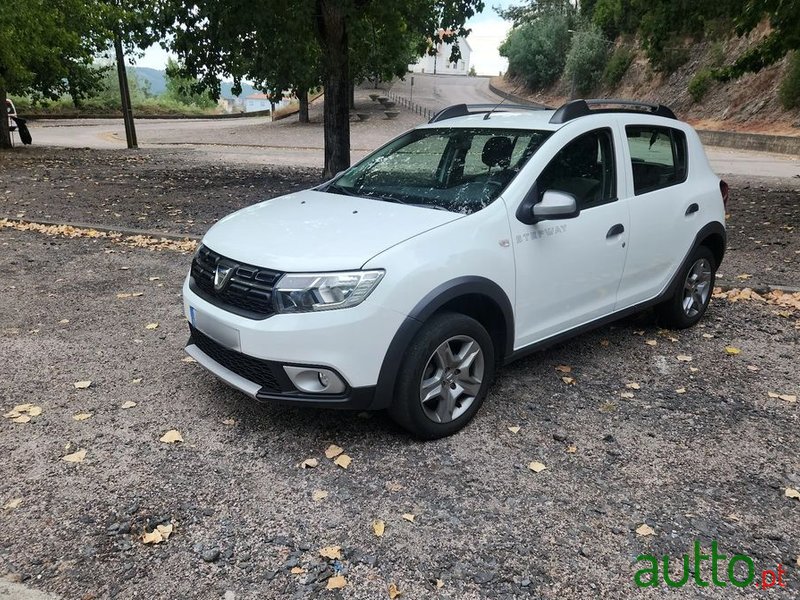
x=337, y=189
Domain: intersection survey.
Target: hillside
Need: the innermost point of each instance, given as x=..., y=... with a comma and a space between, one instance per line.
x=156, y=83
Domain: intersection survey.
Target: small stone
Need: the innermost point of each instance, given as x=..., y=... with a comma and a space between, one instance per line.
x=211, y=555
x=525, y=582
x=608, y=438
x=560, y=436
x=270, y=575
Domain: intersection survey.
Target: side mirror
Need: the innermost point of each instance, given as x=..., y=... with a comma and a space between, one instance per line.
x=555, y=205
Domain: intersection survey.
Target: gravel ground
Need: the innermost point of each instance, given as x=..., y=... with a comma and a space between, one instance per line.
x=711, y=463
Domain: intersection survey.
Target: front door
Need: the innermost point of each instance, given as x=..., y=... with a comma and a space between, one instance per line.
x=568, y=271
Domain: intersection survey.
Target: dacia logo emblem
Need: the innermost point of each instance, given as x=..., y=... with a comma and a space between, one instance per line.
x=222, y=275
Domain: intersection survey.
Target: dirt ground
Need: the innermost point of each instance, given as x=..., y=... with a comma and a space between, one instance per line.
x=696, y=450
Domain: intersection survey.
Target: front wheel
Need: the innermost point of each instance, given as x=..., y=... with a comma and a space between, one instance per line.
x=444, y=377
x=690, y=300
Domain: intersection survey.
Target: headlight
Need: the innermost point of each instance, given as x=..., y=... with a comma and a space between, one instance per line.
x=304, y=292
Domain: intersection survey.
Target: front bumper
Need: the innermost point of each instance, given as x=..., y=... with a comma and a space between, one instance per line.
x=249, y=354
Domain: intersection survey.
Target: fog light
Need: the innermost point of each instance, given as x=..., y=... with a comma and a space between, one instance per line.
x=315, y=381
x=323, y=379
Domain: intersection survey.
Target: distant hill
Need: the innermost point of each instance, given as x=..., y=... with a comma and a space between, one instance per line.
x=156, y=82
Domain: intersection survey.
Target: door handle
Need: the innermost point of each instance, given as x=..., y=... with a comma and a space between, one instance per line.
x=615, y=231
x=693, y=208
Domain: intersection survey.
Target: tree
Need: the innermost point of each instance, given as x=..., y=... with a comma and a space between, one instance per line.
x=536, y=50
x=293, y=45
x=183, y=90
x=46, y=48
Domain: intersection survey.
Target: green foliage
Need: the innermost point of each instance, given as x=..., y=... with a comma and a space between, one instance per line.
x=537, y=50
x=182, y=89
x=716, y=54
x=789, y=92
x=472, y=72
x=700, y=84
x=586, y=60
x=617, y=66
x=534, y=9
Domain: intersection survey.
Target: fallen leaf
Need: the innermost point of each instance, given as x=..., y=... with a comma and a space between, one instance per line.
x=602, y=343
x=393, y=486
x=336, y=582
x=572, y=449
x=318, y=495
x=752, y=368
x=160, y=534
x=188, y=359
x=744, y=276
x=409, y=517
x=333, y=451
x=638, y=332
x=633, y=386
x=128, y=404
x=680, y=391
x=708, y=335
x=21, y=419
x=788, y=397
x=564, y=369
x=81, y=416
x=75, y=457
x=171, y=437
x=568, y=380
x=393, y=591
x=297, y=570
x=151, y=326
x=773, y=394
x=153, y=278
x=82, y=385
x=123, y=295
x=684, y=358
x=12, y=414
x=22, y=407
x=440, y=583
x=378, y=527
x=645, y=529
x=309, y=463
x=627, y=395
x=792, y=493
x=732, y=350
x=343, y=461
x=229, y=421
x=35, y=411
x=693, y=369
x=63, y=321
x=12, y=504
x=331, y=552
x=514, y=429
x=651, y=342
x=138, y=380
x=536, y=466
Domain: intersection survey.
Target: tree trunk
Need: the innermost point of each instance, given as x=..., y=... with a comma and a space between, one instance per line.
x=5, y=134
x=302, y=96
x=332, y=31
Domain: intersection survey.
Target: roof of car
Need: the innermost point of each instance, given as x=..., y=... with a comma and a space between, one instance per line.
x=516, y=116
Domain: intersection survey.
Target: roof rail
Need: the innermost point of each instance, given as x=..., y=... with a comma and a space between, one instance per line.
x=462, y=110
x=581, y=108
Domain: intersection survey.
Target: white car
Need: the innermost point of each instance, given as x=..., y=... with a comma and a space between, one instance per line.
x=463, y=244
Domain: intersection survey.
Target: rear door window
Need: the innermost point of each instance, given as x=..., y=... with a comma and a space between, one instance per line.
x=658, y=157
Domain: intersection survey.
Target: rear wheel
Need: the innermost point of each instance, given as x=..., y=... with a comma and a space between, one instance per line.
x=690, y=300
x=444, y=377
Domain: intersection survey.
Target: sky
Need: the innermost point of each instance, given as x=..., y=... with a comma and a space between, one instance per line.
x=488, y=31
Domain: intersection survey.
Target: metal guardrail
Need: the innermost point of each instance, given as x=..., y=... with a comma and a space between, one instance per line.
x=408, y=104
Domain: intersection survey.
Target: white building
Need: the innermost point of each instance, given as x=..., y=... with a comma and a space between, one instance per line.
x=440, y=63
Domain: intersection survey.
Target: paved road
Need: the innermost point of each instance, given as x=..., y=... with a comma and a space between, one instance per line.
x=255, y=140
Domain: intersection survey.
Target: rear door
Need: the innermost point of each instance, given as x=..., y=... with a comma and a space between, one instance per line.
x=664, y=212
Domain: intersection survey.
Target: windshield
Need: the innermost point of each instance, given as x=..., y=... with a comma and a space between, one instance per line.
x=459, y=170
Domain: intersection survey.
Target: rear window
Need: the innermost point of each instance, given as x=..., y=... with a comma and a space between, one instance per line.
x=658, y=157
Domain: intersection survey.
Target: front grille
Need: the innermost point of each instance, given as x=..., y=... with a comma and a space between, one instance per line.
x=248, y=292
x=260, y=372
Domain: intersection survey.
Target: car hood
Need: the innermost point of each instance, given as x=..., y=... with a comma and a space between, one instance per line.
x=318, y=231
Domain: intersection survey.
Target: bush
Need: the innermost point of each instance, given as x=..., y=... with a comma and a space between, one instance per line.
x=537, y=50
x=585, y=60
x=700, y=84
x=789, y=93
x=617, y=66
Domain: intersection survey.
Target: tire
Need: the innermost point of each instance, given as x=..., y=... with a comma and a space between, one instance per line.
x=692, y=293
x=455, y=383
